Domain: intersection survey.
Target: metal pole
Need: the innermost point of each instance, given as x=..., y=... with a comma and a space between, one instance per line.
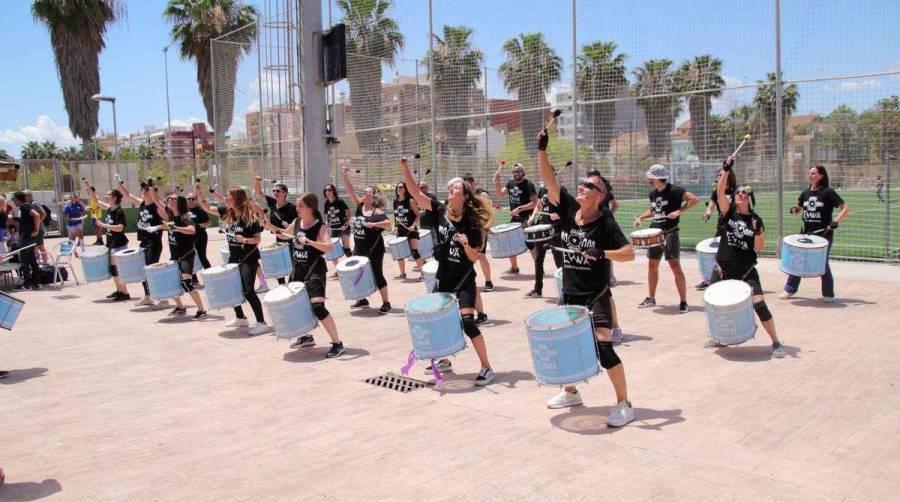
x=168, y=107
x=259, y=120
x=887, y=205
x=574, y=100
x=779, y=129
x=312, y=94
x=115, y=138
x=487, y=124
x=434, y=177
x=219, y=136
x=332, y=154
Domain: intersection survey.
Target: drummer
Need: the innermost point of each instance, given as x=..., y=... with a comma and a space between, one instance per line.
x=482, y=257
x=743, y=235
x=182, y=237
x=312, y=241
x=714, y=204
x=544, y=213
x=406, y=216
x=201, y=238
x=596, y=238
x=460, y=223
x=114, y=223
x=243, y=230
x=281, y=212
x=149, y=229
x=816, y=205
x=667, y=203
x=522, y=200
x=337, y=216
x=370, y=222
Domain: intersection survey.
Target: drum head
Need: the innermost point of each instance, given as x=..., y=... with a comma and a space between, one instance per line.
x=710, y=245
x=727, y=293
x=284, y=292
x=539, y=228
x=335, y=240
x=161, y=265
x=271, y=247
x=806, y=241
x=555, y=317
x=353, y=263
x=218, y=269
x=423, y=233
x=396, y=240
x=430, y=267
x=646, y=232
x=504, y=227
x=127, y=252
x=429, y=303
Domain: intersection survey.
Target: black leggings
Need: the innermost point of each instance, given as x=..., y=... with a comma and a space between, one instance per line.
x=541, y=248
x=376, y=258
x=151, y=256
x=248, y=278
x=200, y=246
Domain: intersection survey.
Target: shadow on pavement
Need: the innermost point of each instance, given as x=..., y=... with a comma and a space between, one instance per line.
x=591, y=421
x=16, y=376
x=21, y=492
x=754, y=354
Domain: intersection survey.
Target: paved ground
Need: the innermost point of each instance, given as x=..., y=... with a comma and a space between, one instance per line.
x=113, y=402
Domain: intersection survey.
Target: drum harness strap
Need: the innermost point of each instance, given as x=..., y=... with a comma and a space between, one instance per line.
x=744, y=276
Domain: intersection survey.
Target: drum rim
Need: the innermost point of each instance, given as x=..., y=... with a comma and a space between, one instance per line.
x=301, y=289
x=544, y=226
x=551, y=327
x=698, y=249
x=161, y=265
x=410, y=311
x=397, y=240
x=819, y=242
x=218, y=269
x=270, y=247
x=508, y=226
x=343, y=263
x=647, y=232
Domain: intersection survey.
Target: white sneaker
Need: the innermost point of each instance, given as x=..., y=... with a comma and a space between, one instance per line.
x=712, y=344
x=237, y=323
x=262, y=289
x=828, y=299
x=564, y=399
x=785, y=295
x=259, y=328
x=143, y=302
x=620, y=415
x=617, y=336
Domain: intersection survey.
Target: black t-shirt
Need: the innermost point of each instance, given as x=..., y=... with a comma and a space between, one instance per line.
x=817, y=206
x=520, y=194
x=664, y=202
x=453, y=263
x=425, y=218
x=308, y=256
x=714, y=197
x=365, y=238
x=335, y=213
x=148, y=217
x=180, y=243
x=547, y=207
x=200, y=216
x=736, y=244
x=281, y=216
x=583, y=277
x=240, y=252
x=26, y=220
x=116, y=216
x=403, y=214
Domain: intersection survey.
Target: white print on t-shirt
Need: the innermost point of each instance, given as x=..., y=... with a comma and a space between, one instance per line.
x=333, y=216
x=144, y=218
x=359, y=230
x=232, y=230
x=401, y=213
x=515, y=194
x=576, y=239
x=448, y=231
x=658, y=207
x=812, y=212
x=737, y=232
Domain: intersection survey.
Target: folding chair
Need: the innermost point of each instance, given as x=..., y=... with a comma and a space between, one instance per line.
x=64, y=251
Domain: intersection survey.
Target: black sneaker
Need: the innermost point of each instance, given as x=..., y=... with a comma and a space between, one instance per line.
x=385, y=307
x=485, y=376
x=360, y=303
x=303, y=341
x=35, y=287
x=444, y=366
x=178, y=311
x=401, y=276
x=336, y=350
x=480, y=319
x=4, y=374
x=683, y=308
x=534, y=294
x=512, y=270
x=200, y=315
x=648, y=302
x=113, y=295
x=98, y=242
x=122, y=297
x=488, y=287
x=701, y=286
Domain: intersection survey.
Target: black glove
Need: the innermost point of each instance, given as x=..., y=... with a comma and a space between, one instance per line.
x=832, y=226
x=595, y=253
x=543, y=140
x=727, y=164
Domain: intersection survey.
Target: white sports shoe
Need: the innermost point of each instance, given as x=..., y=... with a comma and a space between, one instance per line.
x=620, y=415
x=712, y=344
x=259, y=328
x=262, y=288
x=143, y=302
x=617, y=336
x=237, y=323
x=785, y=295
x=564, y=399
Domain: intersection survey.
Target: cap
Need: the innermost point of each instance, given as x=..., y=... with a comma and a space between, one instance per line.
x=658, y=172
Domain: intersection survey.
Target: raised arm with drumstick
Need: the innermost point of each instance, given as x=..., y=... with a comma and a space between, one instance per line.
x=406, y=216
x=151, y=215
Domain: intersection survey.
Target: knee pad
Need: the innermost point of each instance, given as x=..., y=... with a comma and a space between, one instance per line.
x=762, y=310
x=607, y=355
x=415, y=254
x=113, y=271
x=320, y=311
x=469, y=327
x=187, y=285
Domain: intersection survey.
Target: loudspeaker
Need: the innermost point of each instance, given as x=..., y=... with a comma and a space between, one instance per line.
x=334, y=54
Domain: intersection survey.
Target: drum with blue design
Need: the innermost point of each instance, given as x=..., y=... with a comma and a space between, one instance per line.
x=429, y=276
x=563, y=347
x=290, y=310
x=164, y=280
x=507, y=240
x=10, y=308
x=337, y=249
x=399, y=248
x=706, y=256
x=435, y=325
x=130, y=264
x=356, y=277
x=804, y=255
x=276, y=260
x=729, y=312
x=426, y=244
x=95, y=264
x=222, y=285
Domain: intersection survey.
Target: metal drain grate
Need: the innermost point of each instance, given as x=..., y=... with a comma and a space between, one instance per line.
x=396, y=382
x=66, y=297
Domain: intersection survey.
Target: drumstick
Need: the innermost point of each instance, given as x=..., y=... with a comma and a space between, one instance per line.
x=501, y=166
x=556, y=114
x=746, y=139
x=573, y=251
x=563, y=168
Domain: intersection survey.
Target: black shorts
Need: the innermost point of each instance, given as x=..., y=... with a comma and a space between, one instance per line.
x=186, y=264
x=315, y=286
x=737, y=271
x=671, y=248
x=601, y=310
x=409, y=234
x=337, y=232
x=466, y=293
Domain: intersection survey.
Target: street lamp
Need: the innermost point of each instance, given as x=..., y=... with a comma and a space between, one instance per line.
x=99, y=97
x=168, y=110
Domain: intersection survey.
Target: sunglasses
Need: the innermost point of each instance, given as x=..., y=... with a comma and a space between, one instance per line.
x=329, y=190
x=277, y=190
x=191, y=198
x=590, y=185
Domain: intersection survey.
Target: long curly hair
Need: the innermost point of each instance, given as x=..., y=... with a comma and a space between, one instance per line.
x=243, y=211
x=476, y=210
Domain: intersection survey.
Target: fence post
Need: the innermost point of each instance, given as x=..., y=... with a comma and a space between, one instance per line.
x=779, y=130
x=574, y=99
x=434, y=177
x=887, y=206
x=259, y=120
x=487, y=125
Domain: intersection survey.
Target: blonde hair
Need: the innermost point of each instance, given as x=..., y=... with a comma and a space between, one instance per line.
x=243, y=211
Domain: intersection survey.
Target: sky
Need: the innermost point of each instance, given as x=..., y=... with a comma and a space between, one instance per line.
x=819, y=39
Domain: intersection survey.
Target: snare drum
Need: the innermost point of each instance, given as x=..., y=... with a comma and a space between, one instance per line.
x=222, y=285
x=356, y=277
x=337, y=249
x=225, y=252
x=164, y=280
x=399, y=248
x=557, y=277
x=426, y=244
x=10, y=308
x=435, y=325
x=130, y=265
x=646, y=238
x=729, y=312
x=275, y=260
x=290, y=310
x=429, y=274
x=507, y=240
x=95, y=264
x=538, y=233
x=563, y=347
x=804, y=255
x=706, y=256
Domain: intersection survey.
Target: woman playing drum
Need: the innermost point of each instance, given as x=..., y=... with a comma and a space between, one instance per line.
x=311, y=241
x=337, y=216
x=182, y=236
x=457, y=240
x=370, y=221
x=743, y=235
x=406, y=216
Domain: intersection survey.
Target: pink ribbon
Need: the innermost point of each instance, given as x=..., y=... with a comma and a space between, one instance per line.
x=438, y=380
x=410, y=361
x=359, y=277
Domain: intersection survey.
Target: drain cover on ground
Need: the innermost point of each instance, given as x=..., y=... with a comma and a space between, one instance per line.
x=66, y=297
x=396, y=382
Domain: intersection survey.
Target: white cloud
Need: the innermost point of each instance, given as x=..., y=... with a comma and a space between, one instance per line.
x=188, y=122
x=44, y=129
x=853, y=85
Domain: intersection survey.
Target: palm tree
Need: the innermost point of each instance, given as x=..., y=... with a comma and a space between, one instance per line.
x=70, y=153
x=601, y=75
x=32, y=150
x=701, y=78
x=653, y=86
x=530, y=69
x=740, y=121
x=49, y=150
x=77, y=28
x=765, y=104
x=373, y=39
x=197, y=22
x=4, y=154
x=454, y=71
